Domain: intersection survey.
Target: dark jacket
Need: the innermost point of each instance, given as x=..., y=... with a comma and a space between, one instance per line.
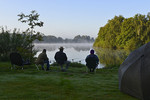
x=92, y=60
x=60, y=57
x=41, y=58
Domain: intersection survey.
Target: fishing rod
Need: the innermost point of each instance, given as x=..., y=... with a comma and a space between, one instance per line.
x=78, y=60
x=72, y=60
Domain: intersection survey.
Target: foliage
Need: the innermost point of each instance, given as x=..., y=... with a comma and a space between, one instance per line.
x=110, y=57
x=83, y=39
x=14, y=42
x=126, y=33
x=21, y=42
x=4, y=44
x=32, y=20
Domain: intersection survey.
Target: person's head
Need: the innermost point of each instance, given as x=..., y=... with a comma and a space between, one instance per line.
x=61, y=48
x=44, y=50
x=92, y=51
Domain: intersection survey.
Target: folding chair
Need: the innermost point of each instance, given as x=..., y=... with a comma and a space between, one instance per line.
x=91, y=65
x=16, y=59
x=37, y=66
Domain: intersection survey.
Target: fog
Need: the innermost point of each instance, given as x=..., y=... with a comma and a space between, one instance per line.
x=76, y=52
x=54, y=46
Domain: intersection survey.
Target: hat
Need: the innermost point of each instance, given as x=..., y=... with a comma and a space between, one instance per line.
x=61, y=48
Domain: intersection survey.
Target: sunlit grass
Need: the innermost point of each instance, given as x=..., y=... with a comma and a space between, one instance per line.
x=75, y=84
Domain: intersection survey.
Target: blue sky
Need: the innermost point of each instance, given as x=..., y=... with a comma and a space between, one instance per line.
x=68, y=18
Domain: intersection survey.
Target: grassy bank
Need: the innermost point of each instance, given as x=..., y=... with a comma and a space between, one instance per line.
x=75, y=84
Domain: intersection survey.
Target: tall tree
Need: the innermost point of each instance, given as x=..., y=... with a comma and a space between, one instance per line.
x=32, y=20
x=127, y=33
x=107, y=34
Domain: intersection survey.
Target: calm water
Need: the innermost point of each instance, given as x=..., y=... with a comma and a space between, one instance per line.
x=77, y=52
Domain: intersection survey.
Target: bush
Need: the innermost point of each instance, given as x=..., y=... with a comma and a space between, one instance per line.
x=15, y=42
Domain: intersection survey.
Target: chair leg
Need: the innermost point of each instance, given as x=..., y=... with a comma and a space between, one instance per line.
x=95, y=70
x=43, y=67
x=12, y=67
x=87, y=69
x=37, y=67
x=22, y=67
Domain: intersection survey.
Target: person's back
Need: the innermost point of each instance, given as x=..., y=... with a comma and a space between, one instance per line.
x=42, y=58
x=92, y=61
x=60, y=57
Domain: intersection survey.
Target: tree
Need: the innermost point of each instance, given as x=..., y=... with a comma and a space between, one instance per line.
x=4, y=44
x=32, y=20
x=12, y=42
x=125, y=33
x=107, y=35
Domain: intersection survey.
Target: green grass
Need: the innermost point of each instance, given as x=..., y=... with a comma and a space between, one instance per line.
x=75, y=84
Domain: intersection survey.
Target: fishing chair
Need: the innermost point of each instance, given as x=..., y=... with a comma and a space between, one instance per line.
x=91, y=65
x=88, y=69
x=16, y=59
x=37, y=66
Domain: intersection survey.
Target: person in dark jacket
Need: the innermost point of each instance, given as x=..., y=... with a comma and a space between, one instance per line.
x=92, y=61
x=61, y=59
x=42, y=58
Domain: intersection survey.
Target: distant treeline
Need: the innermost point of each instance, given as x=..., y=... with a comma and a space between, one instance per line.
x=124, y=33
x=76, y=39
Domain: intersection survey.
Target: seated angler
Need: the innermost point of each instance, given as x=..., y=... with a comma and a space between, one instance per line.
x=92, y=61
x=42, y=58
x=61, y=59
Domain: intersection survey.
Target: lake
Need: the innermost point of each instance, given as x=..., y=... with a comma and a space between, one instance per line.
x=77, y=52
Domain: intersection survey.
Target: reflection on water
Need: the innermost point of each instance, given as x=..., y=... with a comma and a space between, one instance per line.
x=77, y=52
x=54, y=46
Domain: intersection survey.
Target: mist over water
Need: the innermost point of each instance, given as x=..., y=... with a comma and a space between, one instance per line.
x=54, y=46
x=76, y=52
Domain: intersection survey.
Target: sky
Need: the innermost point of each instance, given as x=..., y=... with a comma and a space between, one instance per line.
x=68, y=18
